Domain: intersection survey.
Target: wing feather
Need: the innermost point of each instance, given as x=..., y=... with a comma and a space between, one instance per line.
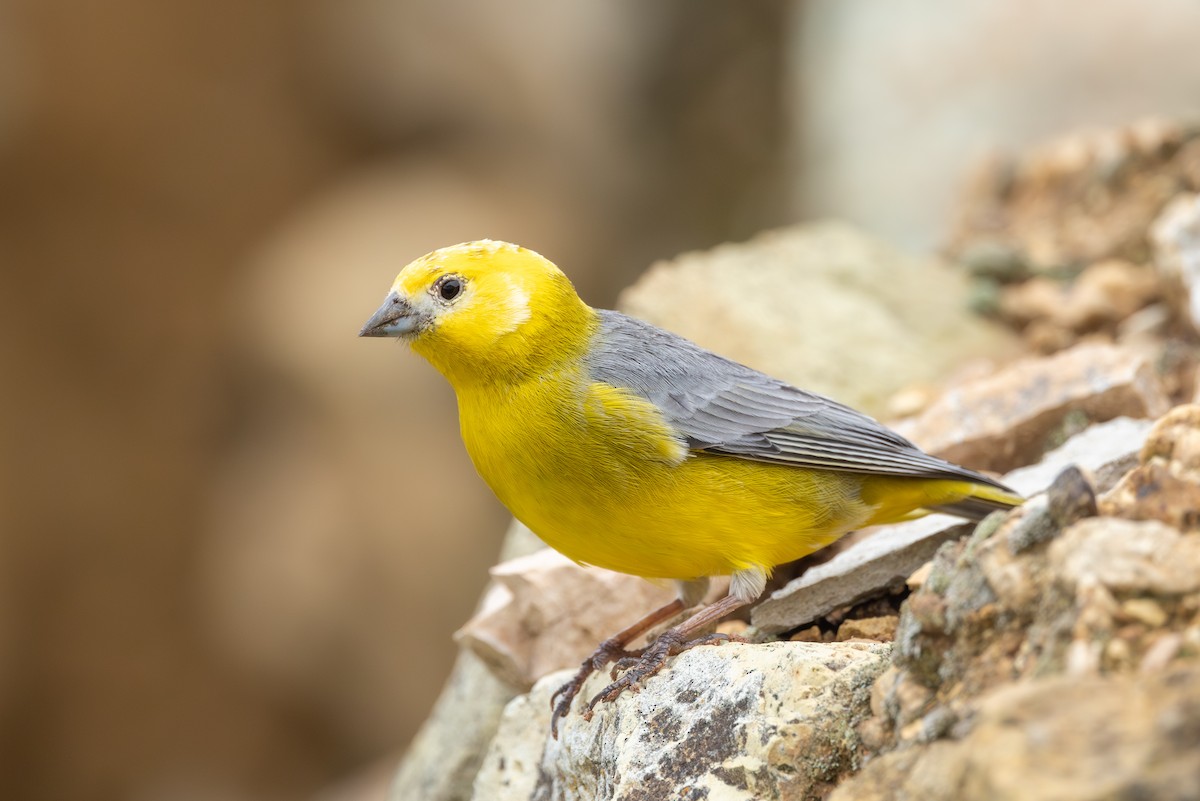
x=723, y=407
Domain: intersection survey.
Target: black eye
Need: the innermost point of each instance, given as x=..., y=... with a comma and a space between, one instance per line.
x=450, y=287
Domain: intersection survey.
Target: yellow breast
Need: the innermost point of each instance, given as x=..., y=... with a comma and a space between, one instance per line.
x=599, y=475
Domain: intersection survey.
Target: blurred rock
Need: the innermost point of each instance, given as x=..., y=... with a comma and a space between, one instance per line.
x=995, y=261
x=1005, y=420
x=1055, y=314
x=1176, y=237
x=444, y=757
x=1082, y=198
x=737, y=721
x=1060, y=739
x=822, y=306
x=1108, y=450
x=546, y=612
x=1166, y=484
x=1129, y=556
x=1071, y=497
x=880, y=629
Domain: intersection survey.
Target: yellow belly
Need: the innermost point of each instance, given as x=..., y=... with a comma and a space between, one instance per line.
x=710, y=515
x=598, y=477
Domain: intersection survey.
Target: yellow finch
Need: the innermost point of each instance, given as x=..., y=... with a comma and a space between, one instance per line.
x=630, y=448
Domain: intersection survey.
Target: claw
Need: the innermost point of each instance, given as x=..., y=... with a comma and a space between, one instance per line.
x=560, y=701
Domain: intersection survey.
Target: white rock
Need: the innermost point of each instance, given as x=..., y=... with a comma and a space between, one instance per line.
x=720, y=722
x=1176, y=238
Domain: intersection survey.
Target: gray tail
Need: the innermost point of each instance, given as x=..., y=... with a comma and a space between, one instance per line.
x=975, y=508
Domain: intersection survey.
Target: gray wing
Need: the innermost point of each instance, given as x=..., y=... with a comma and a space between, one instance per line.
x=723, y=407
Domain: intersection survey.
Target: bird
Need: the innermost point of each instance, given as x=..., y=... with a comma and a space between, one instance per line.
x=627, y=447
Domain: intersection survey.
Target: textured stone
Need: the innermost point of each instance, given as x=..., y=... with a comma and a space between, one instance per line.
x=733, y=722
x=1166, y=485
x=1005, y=420
x=1060, y=739
x=1128, y=556
x=1176, y=237
x=860, y=321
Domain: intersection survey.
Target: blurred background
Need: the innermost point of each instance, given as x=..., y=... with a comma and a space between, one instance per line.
x=234, y=538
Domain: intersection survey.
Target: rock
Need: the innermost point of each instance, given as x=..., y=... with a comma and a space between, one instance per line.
x=737, y=721
x=1108, y=450
x=874, y=566
x=1099, y=299
x=1082, y=198
x=1003, y=421
x=1176, y=237
x=444, y=757
x=1153, y=492
x=879, y=629
x=1059, y=739
x=860, y=321
x=919, y=576
x=1128, y=556
x=1071, y=497
x=1166, y=485
x=1035, y=525
x=546, y=613
x=888, y=558
x=1176, y=439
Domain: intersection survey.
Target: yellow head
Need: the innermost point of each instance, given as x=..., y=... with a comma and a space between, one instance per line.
x=484, y=310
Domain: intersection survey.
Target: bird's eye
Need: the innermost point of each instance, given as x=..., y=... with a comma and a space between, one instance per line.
x=449, y=287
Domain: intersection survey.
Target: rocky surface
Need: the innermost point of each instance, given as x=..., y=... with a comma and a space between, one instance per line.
x=1063, y=738
x=1076, y=200
x=734, y=722
x=1061, y=666
x=883, y=561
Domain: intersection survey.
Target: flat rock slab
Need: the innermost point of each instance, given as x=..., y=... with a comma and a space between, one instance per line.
x=884, y=560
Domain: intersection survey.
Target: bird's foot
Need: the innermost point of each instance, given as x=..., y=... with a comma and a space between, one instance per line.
x=608, y=651
x=634, y=669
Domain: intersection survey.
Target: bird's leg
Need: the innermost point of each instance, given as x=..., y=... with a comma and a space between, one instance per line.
x=673, y=641
x=611, y=649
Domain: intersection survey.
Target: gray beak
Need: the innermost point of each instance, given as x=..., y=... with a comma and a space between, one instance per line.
x=395, y=317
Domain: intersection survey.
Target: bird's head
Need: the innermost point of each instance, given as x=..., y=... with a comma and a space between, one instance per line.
x=483, y=309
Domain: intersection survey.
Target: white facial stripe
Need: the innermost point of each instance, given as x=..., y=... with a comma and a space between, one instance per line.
x=516, y=306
